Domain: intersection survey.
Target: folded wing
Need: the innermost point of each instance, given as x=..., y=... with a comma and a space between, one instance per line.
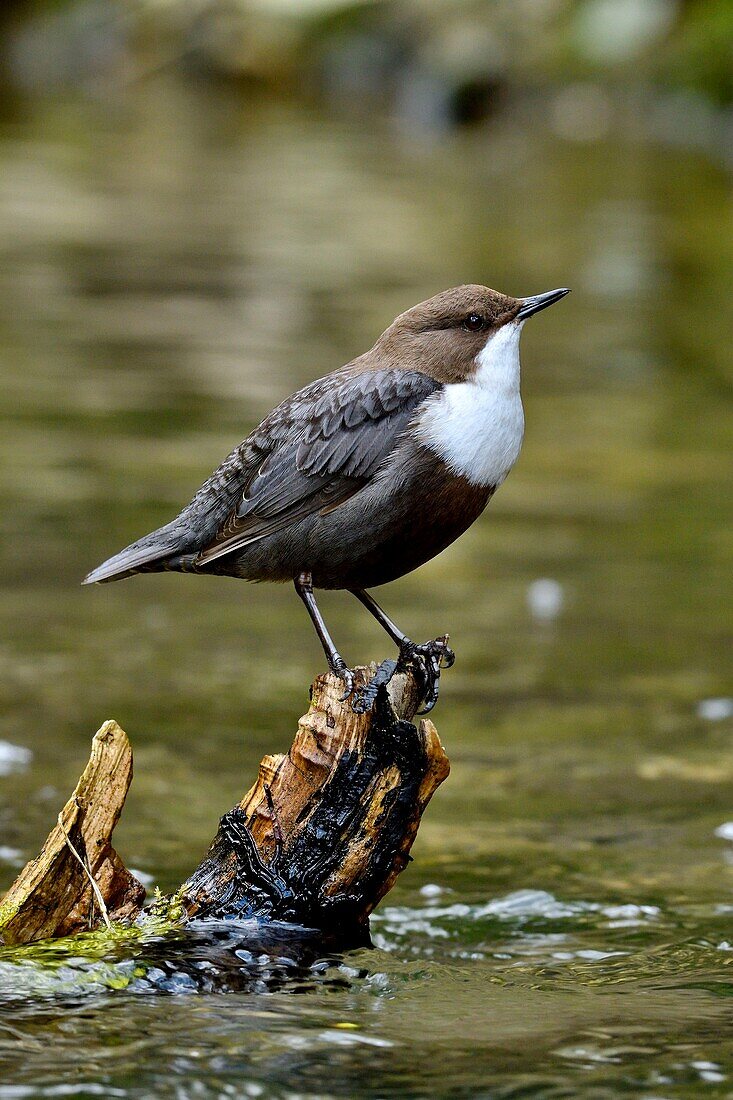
x=318, y=449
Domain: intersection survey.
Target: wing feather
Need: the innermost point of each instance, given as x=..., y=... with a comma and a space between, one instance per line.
x=318, y=449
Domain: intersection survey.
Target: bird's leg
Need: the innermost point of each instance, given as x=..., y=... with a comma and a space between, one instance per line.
x=304, y=588
x=427, y=659
x=381, y=616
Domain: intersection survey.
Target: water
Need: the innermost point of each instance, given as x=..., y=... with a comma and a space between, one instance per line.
x=170, y=267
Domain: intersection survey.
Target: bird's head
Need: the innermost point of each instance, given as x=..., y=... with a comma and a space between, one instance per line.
x=445, y=335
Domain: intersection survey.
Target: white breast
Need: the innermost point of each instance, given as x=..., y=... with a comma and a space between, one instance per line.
x=477, y=427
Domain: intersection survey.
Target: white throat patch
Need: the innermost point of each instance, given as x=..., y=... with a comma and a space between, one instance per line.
x=477, y=427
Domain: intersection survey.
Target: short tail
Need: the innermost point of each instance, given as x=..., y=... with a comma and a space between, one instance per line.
x=141, y=556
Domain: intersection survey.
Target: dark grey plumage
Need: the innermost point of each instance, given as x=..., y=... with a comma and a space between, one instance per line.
x=284, y=485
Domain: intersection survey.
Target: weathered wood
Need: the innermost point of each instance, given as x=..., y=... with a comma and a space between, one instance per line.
x=326, y=829
x=317, y=841
x=53, y=895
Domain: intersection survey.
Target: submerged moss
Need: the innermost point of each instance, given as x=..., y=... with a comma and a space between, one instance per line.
x=7, y=912
x=164, y=917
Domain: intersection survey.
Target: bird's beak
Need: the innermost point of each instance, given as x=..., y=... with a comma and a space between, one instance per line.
x=540, y=301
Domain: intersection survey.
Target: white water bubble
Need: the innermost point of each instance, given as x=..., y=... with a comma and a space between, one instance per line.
x=709, y=1071
x=528, y=904
x=715, y=710
x=13, y=758
x=379, y=980
x=725, y=831
x=352, y=1039
x=545, y=598
x=12, y=856
x=611, y=31
x=629, y=916
x=431, y=890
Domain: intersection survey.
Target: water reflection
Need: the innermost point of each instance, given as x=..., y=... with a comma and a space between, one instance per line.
x=166, y=275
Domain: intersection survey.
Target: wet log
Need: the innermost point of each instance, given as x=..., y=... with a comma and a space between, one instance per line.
x=317, y=841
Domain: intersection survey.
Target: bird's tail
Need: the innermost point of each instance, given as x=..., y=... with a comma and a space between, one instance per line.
x=146, y=555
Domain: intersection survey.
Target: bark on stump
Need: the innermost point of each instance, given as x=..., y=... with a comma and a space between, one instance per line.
x=317, y=841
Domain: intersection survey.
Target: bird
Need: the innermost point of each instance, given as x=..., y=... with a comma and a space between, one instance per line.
x=366, y=473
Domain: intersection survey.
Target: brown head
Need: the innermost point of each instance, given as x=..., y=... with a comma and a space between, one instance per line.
x=443, y=335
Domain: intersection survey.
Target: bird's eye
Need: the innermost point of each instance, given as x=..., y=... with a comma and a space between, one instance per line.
x=474, y=322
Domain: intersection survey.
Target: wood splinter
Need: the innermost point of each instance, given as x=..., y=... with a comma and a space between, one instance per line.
x=317, y=841
x=53, y=894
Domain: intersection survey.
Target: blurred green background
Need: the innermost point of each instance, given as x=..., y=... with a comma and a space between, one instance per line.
x=204, y=205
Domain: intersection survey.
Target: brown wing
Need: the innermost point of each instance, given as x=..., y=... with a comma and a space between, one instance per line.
x=317, y=449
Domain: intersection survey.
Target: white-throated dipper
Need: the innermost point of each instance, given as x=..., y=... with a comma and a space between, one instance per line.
x=362, y=476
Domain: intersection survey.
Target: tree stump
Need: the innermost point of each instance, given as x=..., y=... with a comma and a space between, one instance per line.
x=316, y=842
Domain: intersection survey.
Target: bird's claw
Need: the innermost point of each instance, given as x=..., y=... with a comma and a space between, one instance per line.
x=342, y=670
x=427, y=660
x=448, y=657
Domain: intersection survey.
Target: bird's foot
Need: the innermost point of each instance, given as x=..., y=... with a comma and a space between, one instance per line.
x=427, y=660
x=342, y=670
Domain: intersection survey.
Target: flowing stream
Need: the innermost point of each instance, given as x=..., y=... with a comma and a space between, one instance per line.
x=169, y=270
